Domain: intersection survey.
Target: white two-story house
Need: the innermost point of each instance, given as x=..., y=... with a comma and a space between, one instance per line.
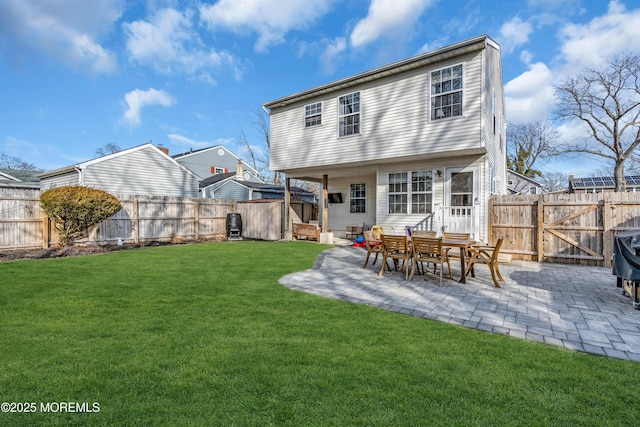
x=420, y=142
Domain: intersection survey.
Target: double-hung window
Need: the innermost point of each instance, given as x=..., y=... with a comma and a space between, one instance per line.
x=349, y=114
x=398, y=192
x=313, y=114
x=416, y=198
x=421, y=192
x=446, y=92
x=357, y=198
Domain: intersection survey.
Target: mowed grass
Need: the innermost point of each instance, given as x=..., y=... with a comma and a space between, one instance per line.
x=203, y=334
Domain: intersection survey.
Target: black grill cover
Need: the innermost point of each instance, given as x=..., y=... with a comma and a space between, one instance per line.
x=626, y=255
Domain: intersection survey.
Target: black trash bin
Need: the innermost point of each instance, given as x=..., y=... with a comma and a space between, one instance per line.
x=234, y=226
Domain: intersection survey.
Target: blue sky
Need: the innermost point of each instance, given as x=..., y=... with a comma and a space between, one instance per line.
x=76, y=75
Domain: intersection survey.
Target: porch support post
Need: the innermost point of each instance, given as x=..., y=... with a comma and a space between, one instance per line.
x=325, y=203
x=287, y=205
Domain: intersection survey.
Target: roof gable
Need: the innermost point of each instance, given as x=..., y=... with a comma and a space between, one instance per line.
x=215, y=148
x=88, y=163
x=457, y=49
x=523, y=178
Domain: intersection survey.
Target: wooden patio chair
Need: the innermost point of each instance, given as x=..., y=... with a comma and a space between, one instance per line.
x=397, y=249
x=456, y=236
x=487, y=255
x=429, y=250
x=424, y=233
x=354, y=231
x=373, y=245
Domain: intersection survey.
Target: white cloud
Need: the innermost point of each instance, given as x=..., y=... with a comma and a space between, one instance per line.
x=138, y=99
x=66, y=30
x=270, y=20
x=514, y=33
x=331, y=53
x=168, y=42
x=587, y=45
x=183, y=140
x=387, y=17
x=530, y=97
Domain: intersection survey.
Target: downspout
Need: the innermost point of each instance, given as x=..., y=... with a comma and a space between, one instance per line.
x=80, y=175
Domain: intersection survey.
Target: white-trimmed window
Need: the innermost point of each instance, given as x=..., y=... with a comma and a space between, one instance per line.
x=533, y=190
x=446, y=92
x=421, y=192
x=398, y=192
x=313, y=114
x=349, y=114
x=416, y=198
x=357, y=198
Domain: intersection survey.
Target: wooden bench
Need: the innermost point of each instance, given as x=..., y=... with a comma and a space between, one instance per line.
x=308, y=231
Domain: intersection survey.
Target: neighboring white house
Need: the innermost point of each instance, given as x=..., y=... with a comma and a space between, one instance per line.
x=520, y=184
x=144, y=169
x=395, y=144
x=215, y=160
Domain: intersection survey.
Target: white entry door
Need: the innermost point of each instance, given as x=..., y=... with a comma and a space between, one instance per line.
x=461, y=193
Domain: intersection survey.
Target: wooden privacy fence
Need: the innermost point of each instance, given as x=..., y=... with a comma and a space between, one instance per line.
x=23, y=224
x=564, y=228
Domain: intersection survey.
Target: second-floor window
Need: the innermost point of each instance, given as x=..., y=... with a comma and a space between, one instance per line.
x=446, y=92
x=349, y=114
x=313, y=114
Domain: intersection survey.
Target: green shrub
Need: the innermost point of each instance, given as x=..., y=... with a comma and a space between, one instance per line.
x=75, y=208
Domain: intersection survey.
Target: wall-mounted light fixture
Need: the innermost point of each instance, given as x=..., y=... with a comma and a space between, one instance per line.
x=439, y=173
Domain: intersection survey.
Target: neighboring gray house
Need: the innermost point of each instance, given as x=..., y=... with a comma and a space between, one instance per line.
x=520, y=184
x=215, y=160
x=401, y=143
x=18, y=179
x=233, y=185
x=144, y=169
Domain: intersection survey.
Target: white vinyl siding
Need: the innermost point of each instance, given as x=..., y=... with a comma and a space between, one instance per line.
x=71, y=178
x=394, y=124
x=144, y=171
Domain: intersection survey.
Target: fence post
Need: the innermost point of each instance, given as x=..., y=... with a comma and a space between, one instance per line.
x=135, y=221
x=46, y=235
x=196, y=218
x=607, y=234
x=540, y=228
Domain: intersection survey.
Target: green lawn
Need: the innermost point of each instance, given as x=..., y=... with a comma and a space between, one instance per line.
x=204, y=335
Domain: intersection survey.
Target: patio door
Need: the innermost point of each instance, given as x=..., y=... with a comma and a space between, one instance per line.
x=461, y=193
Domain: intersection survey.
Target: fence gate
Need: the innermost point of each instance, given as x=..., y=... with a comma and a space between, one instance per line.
x=565, y=228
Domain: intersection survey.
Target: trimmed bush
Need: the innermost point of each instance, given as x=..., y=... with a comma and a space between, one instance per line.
x=75, y=208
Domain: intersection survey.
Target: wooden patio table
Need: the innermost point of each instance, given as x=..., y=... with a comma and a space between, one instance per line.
x=463, y=245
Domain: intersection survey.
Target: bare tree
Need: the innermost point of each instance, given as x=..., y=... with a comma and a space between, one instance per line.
x=554, y=181
x=16, y=163
x=109, y=148
x=529, y=143
x=607, y=101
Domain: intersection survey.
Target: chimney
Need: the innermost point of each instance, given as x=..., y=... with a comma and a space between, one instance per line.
x=165, y=150
x=239, y=171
